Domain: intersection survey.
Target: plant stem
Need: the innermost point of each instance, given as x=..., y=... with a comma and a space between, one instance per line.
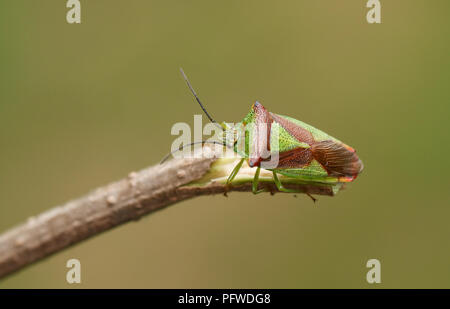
x=128, y=199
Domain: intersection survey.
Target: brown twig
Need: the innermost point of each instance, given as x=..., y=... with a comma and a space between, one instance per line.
x=128, y=199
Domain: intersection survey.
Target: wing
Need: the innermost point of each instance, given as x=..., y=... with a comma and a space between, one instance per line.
x=298, y=132
x=317, y=135
x=295, y=158
x=337, y=159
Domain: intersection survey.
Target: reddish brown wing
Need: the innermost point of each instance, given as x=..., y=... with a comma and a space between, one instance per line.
x=301, y=134
x=261, y=135
x=295, y=158
x=336, y=158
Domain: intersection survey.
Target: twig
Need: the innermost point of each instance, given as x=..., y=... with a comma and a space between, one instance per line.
x=128, y=199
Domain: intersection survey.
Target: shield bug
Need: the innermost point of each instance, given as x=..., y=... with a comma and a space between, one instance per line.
x=288, y=147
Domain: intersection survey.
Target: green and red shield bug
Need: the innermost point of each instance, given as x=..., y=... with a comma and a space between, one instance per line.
x=302, y=151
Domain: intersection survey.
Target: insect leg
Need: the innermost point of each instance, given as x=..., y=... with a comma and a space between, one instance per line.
x=312, y=197
x=235, y=171
x=283, y=189
x=256, y=181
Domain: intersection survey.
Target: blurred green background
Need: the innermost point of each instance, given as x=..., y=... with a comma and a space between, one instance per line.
x=83, y=105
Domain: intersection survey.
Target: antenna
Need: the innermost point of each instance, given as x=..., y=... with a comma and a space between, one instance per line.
x=197, y=98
